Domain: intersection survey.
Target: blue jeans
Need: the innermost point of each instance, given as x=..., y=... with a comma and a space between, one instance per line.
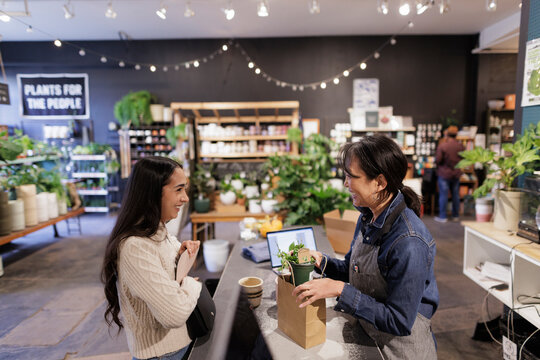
x=444, y=185
x=177, y=355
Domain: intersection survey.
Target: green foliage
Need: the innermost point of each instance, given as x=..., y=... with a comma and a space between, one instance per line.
x=304, y=182
x=294, y=134
x=199, y=181
x=175, y=133
x=9, y=150
x=503, y=170
x=226, y=186
x=134, y=108
x=93, y=149
x=292, y=255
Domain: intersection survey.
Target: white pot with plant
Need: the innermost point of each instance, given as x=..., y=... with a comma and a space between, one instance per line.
x=227, y=194
x=502, y=172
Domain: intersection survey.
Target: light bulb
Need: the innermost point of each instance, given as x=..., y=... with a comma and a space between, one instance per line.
x=165, y=68
x=376, y=55
x=346, y=73
x=68, y=10
x=189, y=11
x=176, y=67
x=421, y=6
x=393, y=41
x=82, y=52
x=110, y=13
x=301, y=88
x=323, y=85
x=121, y=64
x=187, y=65
x=251, y=65
x=410, y=24
x=57, y=43
x=137, y=67
x=224, y=48
x=103, y=59
x=229, y=11
x=491, y=5
x=152, y=68
x=336, y=81
x=363, y=66
x=5, y=17
x=257, y=71
x=444, y=6
x=314, y=7
x=196, y=63
x=162, y=12
x=404, y=8
x=262, y=8
x=382, y=7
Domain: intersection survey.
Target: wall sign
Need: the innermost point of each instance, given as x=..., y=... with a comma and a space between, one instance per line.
x=531, y=74
x=4, y=94
x=58, y=96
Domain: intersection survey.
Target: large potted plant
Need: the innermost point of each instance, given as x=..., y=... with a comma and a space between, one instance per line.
x=134, y=108
x=520, y=158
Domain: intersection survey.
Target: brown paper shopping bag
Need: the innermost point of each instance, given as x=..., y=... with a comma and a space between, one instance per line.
x=306, y=326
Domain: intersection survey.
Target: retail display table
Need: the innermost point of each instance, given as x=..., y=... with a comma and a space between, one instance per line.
x=207, y=220
x=341, y=340
x=484, y=242
x=17, y=234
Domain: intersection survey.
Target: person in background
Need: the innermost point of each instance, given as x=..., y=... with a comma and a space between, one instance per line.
x=140, y=259
x=448, y=176
x=386, y=280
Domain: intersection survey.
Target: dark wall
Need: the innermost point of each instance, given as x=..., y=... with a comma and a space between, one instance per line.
x=422, y=76
x=496, y=78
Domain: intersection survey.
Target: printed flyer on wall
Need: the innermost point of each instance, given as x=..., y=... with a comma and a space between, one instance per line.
x=531, y=74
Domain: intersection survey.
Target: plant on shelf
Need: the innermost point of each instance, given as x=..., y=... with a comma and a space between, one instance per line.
x=228, y=193
x=520, y=158
x=300, y=262
x=9, y=150
x=201, y=190
x=176, y=133
x=134, y=108
x=303, y=182
x=51, y=181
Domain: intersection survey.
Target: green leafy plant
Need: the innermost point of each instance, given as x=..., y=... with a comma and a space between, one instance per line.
x=303, y=182
x=199, y=182
x=175, y=133
x=503, y=170
x=134, y=108
x=225, y=186
x=9, y=150
x=292, y=255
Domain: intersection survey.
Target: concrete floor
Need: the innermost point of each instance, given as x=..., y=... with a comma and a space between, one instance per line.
x=52, y=302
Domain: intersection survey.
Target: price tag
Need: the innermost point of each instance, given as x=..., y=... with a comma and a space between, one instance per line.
x=303, y=256
x=509, y=349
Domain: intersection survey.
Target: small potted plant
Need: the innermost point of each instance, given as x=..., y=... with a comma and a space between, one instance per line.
x=199, y=181
x=237, y=180
x=520, y=158
x=227, y=194
x=300, y=262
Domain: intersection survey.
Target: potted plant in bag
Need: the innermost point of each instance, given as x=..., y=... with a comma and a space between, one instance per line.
x=199, y=181
x=520, y=158
x=300, y=262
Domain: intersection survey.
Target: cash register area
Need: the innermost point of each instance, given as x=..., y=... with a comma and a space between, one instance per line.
x=52, y=302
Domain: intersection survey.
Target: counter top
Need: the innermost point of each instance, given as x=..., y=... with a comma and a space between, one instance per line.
x=342, y=338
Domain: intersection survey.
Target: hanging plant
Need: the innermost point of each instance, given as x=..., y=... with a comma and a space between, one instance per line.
x=134, y=108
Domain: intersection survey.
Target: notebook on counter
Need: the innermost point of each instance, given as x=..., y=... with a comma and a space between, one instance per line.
x=280, y=240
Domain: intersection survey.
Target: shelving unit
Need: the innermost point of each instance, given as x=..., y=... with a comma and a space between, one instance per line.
x=91, y=181
x=484, y=242
x=400, y=135
x=499, y=128
x=240, y=131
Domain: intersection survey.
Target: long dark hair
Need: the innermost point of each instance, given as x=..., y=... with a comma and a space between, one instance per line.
x=139, y=215
x=376, y=155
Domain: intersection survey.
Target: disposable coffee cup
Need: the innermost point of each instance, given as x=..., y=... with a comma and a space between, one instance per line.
x=252, y=288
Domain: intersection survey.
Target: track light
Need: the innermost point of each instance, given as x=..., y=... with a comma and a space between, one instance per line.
x=421, y=6
x=404, y=7
x=29, y=29
x=491, y=5
x=229, y=11
x=314, y=7
x=110, y=13
x=5, y=17
x=262, y=8
x=382, y=7
x=189, y=11
x=444, y=6
x=162, y=11
x=68, y=10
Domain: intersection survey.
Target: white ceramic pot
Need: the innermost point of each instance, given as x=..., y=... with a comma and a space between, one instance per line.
x=157, y=111
x=251, y=191
x=227, y=198
x=167, y=114
x=62, y=207
x=52, y=205
x=42, y=207
x=215, y=253
x=336, y=184
x=268, y=206
x=483, y=209
x=237, y=184
x=16, y=214
x=27, y=193
x=255, y=206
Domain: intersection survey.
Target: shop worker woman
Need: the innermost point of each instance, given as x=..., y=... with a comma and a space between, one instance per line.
x=386, y=280
x=139, y=265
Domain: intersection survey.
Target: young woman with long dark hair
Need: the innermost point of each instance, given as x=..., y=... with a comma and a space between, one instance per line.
x=386, y=280
x=139, y=265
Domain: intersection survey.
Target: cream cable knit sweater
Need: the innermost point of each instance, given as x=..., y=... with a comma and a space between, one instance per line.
x=154, y=307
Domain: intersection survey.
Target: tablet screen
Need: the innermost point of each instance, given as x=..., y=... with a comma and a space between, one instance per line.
x=280, y=240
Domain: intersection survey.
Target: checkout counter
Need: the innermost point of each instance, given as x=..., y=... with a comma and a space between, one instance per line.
x=342, y=331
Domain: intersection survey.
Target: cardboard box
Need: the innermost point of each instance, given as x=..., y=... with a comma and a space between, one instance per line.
x=340, y=229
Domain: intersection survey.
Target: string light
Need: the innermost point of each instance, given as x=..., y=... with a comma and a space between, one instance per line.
x=165, y=68
x=103, y=59
x=137, y=67
x=196, y=63
x=152, y=68
x=187, y=65
x=257, y=71
x=323, y=85
x=121, y=64
x=251, y=65
x=346, y=73
x=82, y=52
x=224, y=47
x=57, y=43
x=422, y=6
x=363, y=66
x=336, y=81
x=376, y=55
x=393, y=41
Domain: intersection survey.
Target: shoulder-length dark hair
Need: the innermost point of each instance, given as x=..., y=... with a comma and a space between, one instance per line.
x=376, y=155
x=139, y=215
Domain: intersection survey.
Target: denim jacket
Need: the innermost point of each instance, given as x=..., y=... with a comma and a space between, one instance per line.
x=406, y=259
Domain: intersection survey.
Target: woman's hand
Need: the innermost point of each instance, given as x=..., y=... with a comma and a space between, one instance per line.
x=189, y=245
x=317, y=289
x=317, y=256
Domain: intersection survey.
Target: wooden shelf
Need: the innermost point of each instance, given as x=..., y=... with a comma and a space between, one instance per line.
x=31, y=159
x=411, y=128
x=246, y=119
x=241, y=155
x=244, y=138
x=87, y=157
